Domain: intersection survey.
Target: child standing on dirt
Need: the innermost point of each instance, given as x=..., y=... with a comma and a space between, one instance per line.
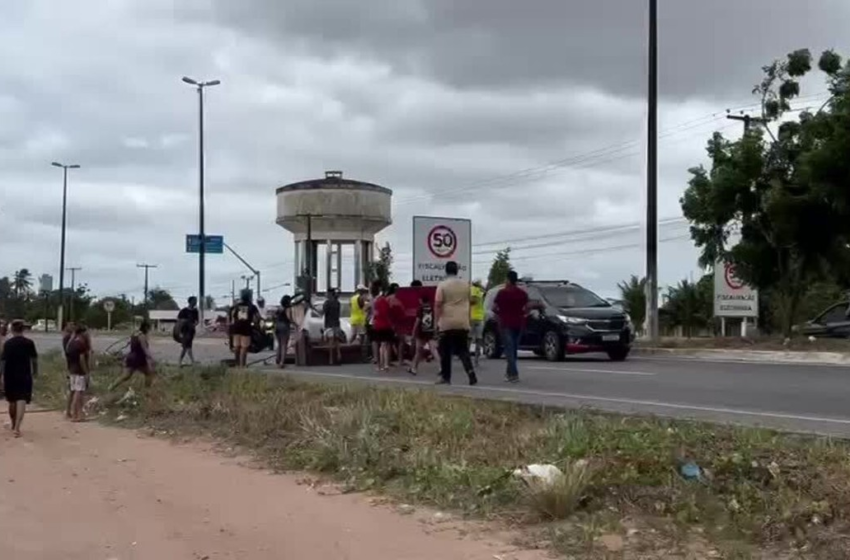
x=423, y=333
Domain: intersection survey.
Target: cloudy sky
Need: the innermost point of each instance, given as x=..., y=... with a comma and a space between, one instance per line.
x=526, y=117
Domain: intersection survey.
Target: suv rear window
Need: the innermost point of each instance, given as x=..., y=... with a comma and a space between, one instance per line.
x=571, y=297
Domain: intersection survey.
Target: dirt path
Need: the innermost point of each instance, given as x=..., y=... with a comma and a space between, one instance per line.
x=87, y=492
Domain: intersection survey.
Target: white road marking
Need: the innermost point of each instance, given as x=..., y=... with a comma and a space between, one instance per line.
x=706, y=360
x=576, y=370
x=610, y=400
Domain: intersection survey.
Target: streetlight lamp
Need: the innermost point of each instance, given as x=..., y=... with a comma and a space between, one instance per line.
x=60, y=313
x=202, y=233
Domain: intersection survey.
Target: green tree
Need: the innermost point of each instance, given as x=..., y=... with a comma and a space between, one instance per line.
x=381, y=268
x=782, y=193
x=633, y=294
x=161, y=299
x=22, y=283
x=690, y=305
x=498, y=274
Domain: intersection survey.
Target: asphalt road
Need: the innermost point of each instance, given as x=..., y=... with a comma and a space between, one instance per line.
x=804, y=398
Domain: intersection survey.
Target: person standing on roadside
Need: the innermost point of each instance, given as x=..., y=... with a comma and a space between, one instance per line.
x=67, y=335
x=423, y=333
x=374, y=293
x=382, y=327
x=476, y=317
x=188, y=320
x=77, y=358
x=397, y=320
x=331, y=311
x=283, y=330
x=244, y=317
x=18, y=366
x=510, y=307
x=451, y=311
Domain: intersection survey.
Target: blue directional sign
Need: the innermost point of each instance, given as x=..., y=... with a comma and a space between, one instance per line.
x=214, y=244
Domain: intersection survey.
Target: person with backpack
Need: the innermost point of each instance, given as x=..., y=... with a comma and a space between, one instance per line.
x=185, y=329
x=139, y=358
x=283, y=329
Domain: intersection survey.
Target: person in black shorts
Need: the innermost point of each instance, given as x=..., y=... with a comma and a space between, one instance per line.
x=138, y=359
x=331, y=310
x=244, y=318
x=423, y=332
x=18, y=366
x=187, y=322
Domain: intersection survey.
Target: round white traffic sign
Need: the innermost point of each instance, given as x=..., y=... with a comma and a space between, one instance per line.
x=109, y=306
x=731, y=280
x=442, y=242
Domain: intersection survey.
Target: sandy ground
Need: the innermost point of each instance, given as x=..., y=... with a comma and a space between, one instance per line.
x=88, y=492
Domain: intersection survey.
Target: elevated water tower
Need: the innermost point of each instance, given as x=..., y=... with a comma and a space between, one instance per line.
x=329, y=217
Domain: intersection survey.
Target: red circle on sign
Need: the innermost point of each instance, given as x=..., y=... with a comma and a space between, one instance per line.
x=442, y=242
x=731, y=280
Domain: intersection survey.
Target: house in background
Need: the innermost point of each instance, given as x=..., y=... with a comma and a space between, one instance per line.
x=163, y=320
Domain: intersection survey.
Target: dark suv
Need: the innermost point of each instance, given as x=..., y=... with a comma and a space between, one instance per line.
x=570, y=320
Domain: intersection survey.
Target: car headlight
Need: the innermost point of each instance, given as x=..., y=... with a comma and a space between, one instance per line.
x=572, y=320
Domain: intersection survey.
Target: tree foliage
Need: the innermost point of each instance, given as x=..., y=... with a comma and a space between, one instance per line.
x=690, y=305
x=633, y=294
x=782, y=189
x=500, y=268
x=381, y=268
x=161, y=299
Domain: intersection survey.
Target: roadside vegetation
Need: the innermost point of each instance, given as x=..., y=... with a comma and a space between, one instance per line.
x=629, y=487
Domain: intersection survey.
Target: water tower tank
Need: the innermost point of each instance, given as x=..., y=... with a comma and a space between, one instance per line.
x=338, y=214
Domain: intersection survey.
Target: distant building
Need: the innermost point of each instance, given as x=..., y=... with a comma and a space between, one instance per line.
x=163, y=320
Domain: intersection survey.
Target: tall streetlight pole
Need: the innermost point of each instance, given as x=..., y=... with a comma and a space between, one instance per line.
x=60, y=318
x=73, y=270
x=652, y=178
x=202, y=233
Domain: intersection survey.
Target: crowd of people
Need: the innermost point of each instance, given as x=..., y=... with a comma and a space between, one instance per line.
x=446, y=326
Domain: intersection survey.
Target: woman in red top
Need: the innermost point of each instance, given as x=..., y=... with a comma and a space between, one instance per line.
x=382, y=327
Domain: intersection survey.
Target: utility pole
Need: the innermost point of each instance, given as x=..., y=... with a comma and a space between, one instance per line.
x=73, y=270
x=748, y=121
x=652, y=178
x=60, y=315
x=147, y=268
x=202, y=233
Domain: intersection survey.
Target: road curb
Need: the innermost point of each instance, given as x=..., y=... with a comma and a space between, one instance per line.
x=750, y=356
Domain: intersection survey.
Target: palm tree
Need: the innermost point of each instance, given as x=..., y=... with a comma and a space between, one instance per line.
x=22, y=282
x=689, y=305
x=633, y=294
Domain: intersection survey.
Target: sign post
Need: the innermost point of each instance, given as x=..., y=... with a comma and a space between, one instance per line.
x=732, y=297
x=437, y=241
x=109, y=307
x=214, y=244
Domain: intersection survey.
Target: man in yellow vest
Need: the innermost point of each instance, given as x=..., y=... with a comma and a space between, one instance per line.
x=358, y=314
x=476, y=317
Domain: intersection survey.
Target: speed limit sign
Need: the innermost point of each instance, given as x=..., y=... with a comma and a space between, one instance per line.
x=438, y=241
x=442, y=242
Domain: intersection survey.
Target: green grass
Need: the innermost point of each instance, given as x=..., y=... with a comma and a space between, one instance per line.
x=763, y=490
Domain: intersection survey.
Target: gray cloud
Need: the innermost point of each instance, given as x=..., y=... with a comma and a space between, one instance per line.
x=460, y=108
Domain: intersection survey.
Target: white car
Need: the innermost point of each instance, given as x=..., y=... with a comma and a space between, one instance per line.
x=315, y=321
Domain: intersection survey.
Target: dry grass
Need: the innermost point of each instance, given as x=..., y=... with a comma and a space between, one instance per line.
x=761, y=489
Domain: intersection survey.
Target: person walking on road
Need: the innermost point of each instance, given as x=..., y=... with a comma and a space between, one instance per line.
x=139, y=358
x=331, y=311
x=451, y=311
x=476, y=317
x=423, y=333
x=382, y=328
x=187, y=323
x=510, y=307
x=283, y=330
x=18, y=366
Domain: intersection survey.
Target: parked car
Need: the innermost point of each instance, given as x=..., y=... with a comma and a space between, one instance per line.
x=832, y=323
x=571, y=320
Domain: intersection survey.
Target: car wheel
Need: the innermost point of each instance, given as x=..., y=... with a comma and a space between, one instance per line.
x=553, y=348
x=492, y=345
x=619, y=354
